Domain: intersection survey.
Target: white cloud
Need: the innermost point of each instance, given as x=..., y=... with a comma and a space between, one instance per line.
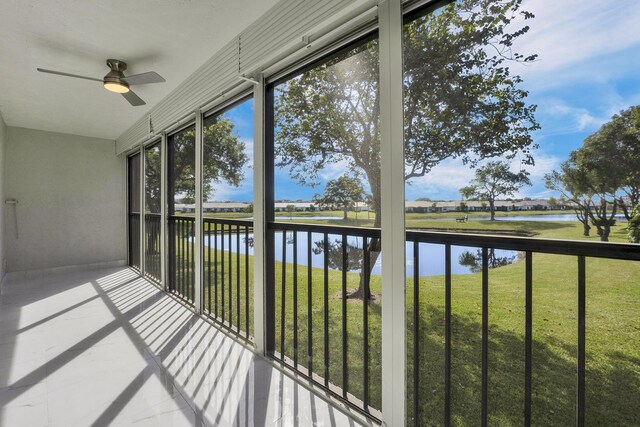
x=445, y=180
x=560, y=117
x=545, y=163
x=334, y=170
x=578, y=40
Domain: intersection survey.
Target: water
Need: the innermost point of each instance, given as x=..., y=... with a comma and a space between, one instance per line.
x=552, y=217
x=302, y=218
x=432, y=256
x=363, y=215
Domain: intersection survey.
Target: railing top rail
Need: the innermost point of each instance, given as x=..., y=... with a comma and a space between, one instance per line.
x=323, y=228
x=625, y=251
x=153, y=214
x=614, y=250
x=228, y=221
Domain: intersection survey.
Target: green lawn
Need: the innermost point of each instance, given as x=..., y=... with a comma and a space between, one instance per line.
x=613, y=332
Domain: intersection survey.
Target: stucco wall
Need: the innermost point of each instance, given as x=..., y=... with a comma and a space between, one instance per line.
x=70, y=191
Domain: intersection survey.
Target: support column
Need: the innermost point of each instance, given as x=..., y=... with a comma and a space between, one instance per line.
x=393, y=224
x=163, y=211
x=198, y=241
x=259, y=252
x=142, y=203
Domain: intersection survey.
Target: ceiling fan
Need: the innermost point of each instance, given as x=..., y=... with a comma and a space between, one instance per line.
x=116, y=81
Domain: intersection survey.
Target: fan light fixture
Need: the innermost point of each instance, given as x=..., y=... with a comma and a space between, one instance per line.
x=116, y=87
x=116, y=81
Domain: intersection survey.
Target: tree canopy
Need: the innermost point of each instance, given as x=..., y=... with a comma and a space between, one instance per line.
x=603, y=175
x=611, y=158
x=493, y=180
x=153, y=170
x=461, y=100
x=223, y=158
x=343, y=192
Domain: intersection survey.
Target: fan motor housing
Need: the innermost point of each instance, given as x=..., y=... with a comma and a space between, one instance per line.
x=116, y=74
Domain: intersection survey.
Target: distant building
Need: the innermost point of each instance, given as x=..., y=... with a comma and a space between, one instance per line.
x=411, y=206
x=420, y=206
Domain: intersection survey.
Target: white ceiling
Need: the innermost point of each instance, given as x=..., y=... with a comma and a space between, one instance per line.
x=171, y=37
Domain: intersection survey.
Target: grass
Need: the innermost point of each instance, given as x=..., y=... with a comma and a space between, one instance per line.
x=613, y=332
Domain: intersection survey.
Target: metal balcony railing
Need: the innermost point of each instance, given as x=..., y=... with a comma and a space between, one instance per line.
x=527, y=247
x=312, y=274
x=134, y=241
x=153, y=246
x=310, y=260
x=181, y=257
x=228, y=290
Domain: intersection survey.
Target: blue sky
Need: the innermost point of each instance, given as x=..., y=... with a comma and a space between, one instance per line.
x=588, y=69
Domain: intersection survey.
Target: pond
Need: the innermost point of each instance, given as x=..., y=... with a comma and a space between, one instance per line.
x=551, y=217
x=538, y=217
x=432, y=256
x=303, y=217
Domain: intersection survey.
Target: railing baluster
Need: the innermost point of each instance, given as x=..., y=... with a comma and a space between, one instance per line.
x=175, y=259
x=283, y=293
x=172, y=257
x=215, y=269
x=485, y=334
x=345, y=372
x=447, y=336
x=295, y=299
x=528, y=337
x=156, y=251
x=182, y=252
x=209, y=265
x=187, y=261
x=582, y=291
x=366, y=273
x=192, y=276
x=309, y=306
x=222, y=272
x=230, y=279
x=246, y=279
x=238, y=314
x=185, y=241
x=326, y=308
x=416, y=331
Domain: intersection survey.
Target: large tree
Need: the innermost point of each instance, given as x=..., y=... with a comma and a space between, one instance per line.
x=568, y=182
x=615, y=150
x=153, y=171
x=604, y=174
x=493, y=180
x=588, y=180
x=461, y=100
x=223, y=158
x=343, y=192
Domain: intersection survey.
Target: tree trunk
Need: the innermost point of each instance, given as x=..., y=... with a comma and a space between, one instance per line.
x=345, y=212
x=492, y=208
x=374, y=245
x=583, y=216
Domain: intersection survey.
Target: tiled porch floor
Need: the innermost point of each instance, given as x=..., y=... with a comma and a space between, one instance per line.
x=105, y=347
